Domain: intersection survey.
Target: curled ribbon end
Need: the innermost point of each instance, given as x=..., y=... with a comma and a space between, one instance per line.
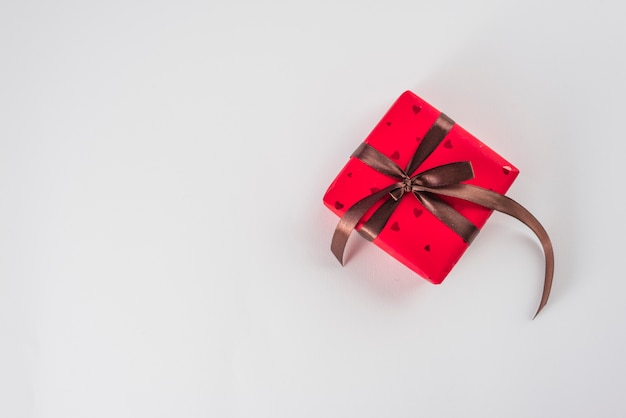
x=338, y=255
x=338, y=245
x=541, y=306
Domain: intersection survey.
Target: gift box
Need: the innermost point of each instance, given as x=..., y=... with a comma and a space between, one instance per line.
x=414, y=233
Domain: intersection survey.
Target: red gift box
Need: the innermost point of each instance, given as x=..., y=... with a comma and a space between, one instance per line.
x=413, y=234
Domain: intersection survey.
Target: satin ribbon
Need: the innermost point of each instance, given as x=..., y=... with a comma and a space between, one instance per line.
x=426, y=186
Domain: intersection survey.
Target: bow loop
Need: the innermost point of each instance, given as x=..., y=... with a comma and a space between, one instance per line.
x=445, y=175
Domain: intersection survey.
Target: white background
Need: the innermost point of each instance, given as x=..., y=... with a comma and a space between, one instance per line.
x=164, y=250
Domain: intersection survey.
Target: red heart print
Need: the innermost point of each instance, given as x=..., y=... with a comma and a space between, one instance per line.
x=448, y=144
x=395, y=155
x=417, y=212
x=395, y=226
x=427, y=247
x=416, y=109
x=338, y=205
x=506, y=169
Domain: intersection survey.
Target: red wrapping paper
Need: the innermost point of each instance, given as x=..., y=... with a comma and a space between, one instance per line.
x=413, y=235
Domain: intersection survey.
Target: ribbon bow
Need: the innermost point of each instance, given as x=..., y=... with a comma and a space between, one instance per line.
x=444, y=180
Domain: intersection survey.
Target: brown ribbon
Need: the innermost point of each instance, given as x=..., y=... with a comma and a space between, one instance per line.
x=444, y=180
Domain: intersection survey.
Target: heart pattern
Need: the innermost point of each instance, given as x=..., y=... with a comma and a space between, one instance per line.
x=395, y=155
x=447, y=144
x=427, y=247
x=349, y=175
x=418, y=212
x=338, y=205
x=506, y=169
x=388, y=123
x=395, y=226
x=416, y=109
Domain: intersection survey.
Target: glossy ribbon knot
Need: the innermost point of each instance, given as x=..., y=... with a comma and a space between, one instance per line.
x=426, y=181
x=426, y=186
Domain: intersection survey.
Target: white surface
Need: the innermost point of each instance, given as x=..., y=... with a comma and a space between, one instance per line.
x=164, y=251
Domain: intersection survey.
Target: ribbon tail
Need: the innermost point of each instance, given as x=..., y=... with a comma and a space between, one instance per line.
x=504, y=204
x=378, y=220
x=449, y=216
x=351, y=218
